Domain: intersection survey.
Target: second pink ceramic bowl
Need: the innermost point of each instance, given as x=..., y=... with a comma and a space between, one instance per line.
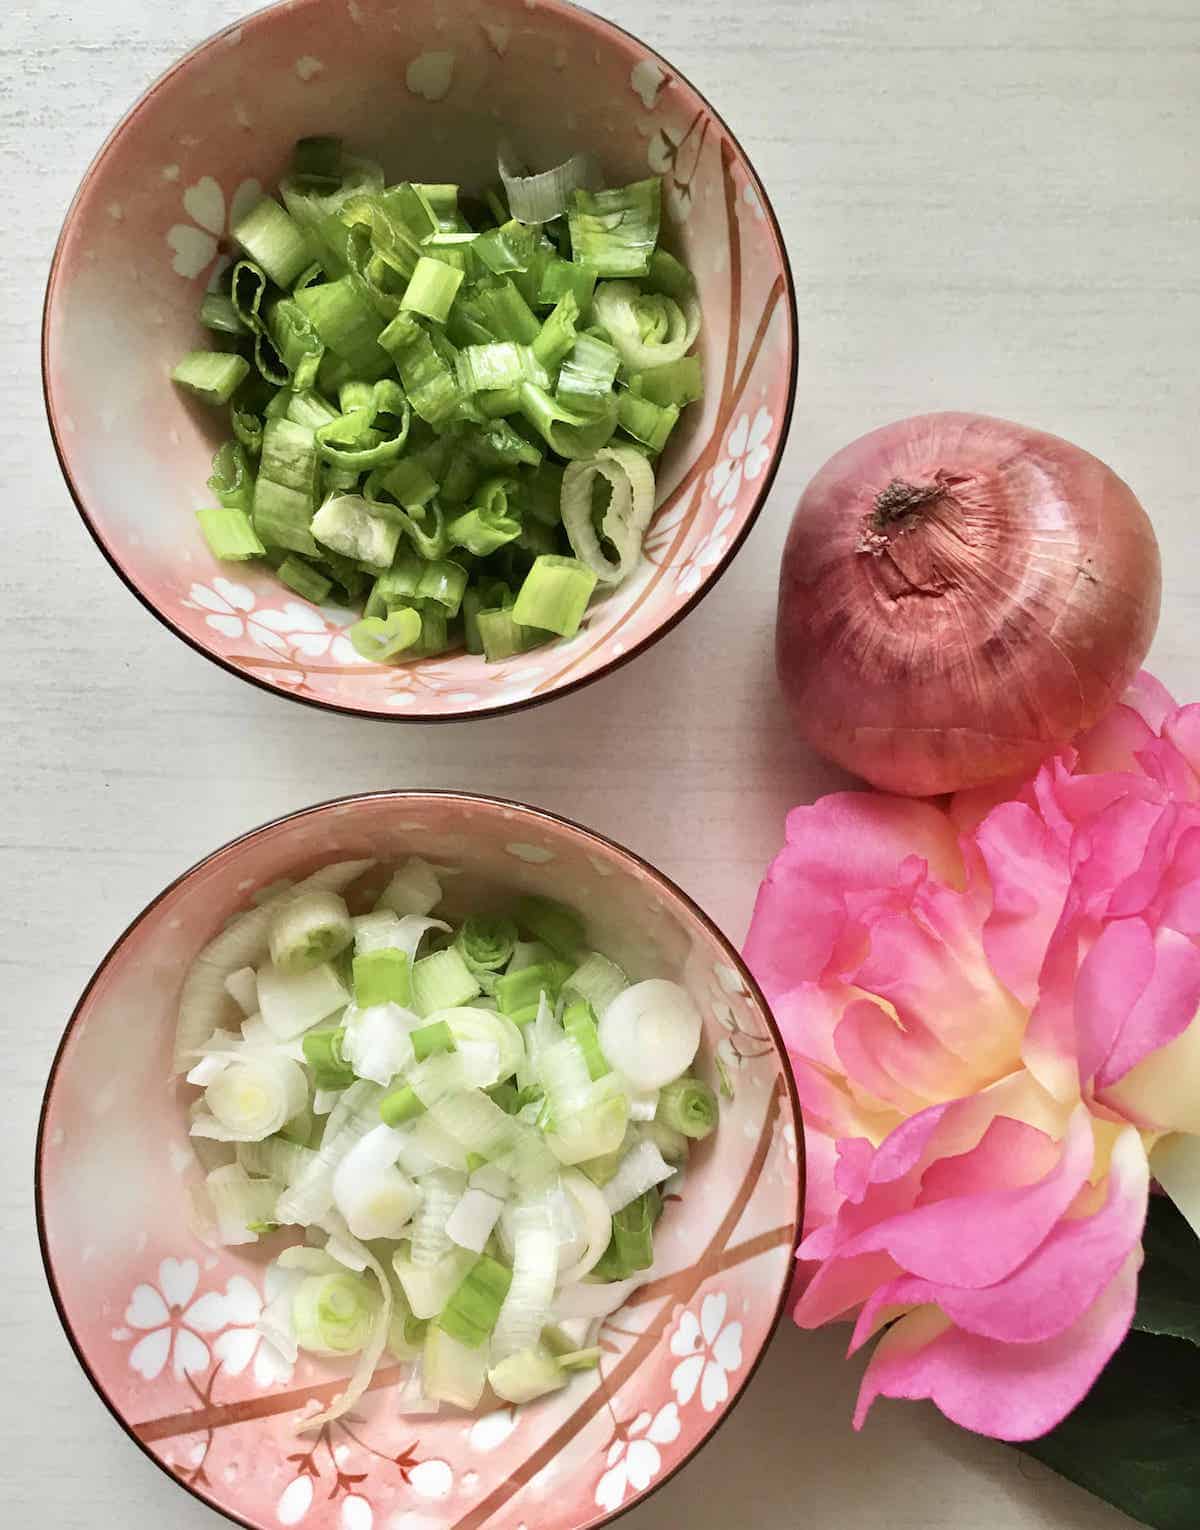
x=164, y=1326
x=428, y=87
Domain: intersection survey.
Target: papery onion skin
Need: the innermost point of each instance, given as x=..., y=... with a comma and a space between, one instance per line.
x=962, y=639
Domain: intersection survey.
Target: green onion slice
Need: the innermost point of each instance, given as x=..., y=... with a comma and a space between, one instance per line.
x=631, y=481
x=541, y=197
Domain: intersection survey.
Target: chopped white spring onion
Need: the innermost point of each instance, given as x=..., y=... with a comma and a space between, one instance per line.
x=598, y=1125
x=649, y=329
x=415, y=889
x=309, y=929
x=472, y=1220
x=241, y=1206
x=210, y=1154
x=640, y=1170
x=492, y=1178
x=539, y=198
x=651, y=1033
x=242, y=988
x=429, y=1287
x=526, y=1375
x=352, y=1117
x=454, y=1372
x=412, y=1400
x=623, y=524
x=597, y=980
x=643, y=1107
x=595, y=1220
x=476, y=1122
x=333, y=1314
x=291, y=1004
x=371, y=1193
x=252, y=1099
x=441, y=1191
x=440, y=1149
x=535, y=1271
x=473, y=1024
x=203, y=998
x=275, y=1158
x=368, y=1358
x=376, y=1041
x=598, y=1299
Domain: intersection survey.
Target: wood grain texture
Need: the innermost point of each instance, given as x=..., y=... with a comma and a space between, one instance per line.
x=989, y=206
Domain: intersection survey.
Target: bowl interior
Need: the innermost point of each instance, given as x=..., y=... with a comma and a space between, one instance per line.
x=164, y=1325
x=429, y=88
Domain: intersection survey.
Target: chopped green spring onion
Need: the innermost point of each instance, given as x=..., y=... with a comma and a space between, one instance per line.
x=304, y=579
x=615, y=231
x=429, y=1040
x=555, y=595
x=382, y=638
x=580, y=1025
x=382, y=977
x=442, y=981
x=229, y=534
x=471, y=1313
x=432, y=289
x=323, y=1054
x=486, y=945
x=217, y=312
x=273, y=241
x=689, y=1106
x=419, y=381
x=552, y=923
x=517, y=991
x=400, y=1106
x=211, y=376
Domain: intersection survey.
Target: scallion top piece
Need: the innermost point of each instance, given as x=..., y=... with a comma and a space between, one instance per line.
x=407, y=372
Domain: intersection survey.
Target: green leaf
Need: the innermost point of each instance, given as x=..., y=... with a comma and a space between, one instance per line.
x=1132, y=1441
x=1169, y=1288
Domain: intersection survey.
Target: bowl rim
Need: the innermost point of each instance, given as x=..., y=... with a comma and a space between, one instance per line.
x=611, y=665
x=399, y=796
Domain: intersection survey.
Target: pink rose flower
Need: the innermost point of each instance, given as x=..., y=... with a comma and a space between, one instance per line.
x=991, y=1013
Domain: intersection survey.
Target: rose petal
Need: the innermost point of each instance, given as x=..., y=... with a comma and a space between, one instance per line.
x=976, y=1239
x=1009, y=1391
x=1164, y=1010
x=1111, y=979
x=1027, y=867
x=1056, y=1285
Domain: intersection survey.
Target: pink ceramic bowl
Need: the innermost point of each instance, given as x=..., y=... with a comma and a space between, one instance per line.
x=164, y=1327
x=428, y=87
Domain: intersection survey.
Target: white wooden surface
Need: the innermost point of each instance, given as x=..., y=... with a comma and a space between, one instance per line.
x=989, y=206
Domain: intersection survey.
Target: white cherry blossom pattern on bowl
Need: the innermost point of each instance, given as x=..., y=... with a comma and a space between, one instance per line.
x=166, y=1327
x=138, y=456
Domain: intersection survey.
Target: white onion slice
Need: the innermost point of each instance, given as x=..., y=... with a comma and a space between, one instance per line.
x=640, y=1170
x=651, y=1033
x=472, y=1220
x=203, y=998
x=376, y=1042
x=539, y=198
x=374, y=1197
x=630, y=508
x=595, y=1220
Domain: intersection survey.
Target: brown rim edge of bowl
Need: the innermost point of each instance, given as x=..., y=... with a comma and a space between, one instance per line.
x=611, y=666
x=400, y=795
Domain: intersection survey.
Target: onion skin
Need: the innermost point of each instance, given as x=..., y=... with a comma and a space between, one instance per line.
x=994, y=602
